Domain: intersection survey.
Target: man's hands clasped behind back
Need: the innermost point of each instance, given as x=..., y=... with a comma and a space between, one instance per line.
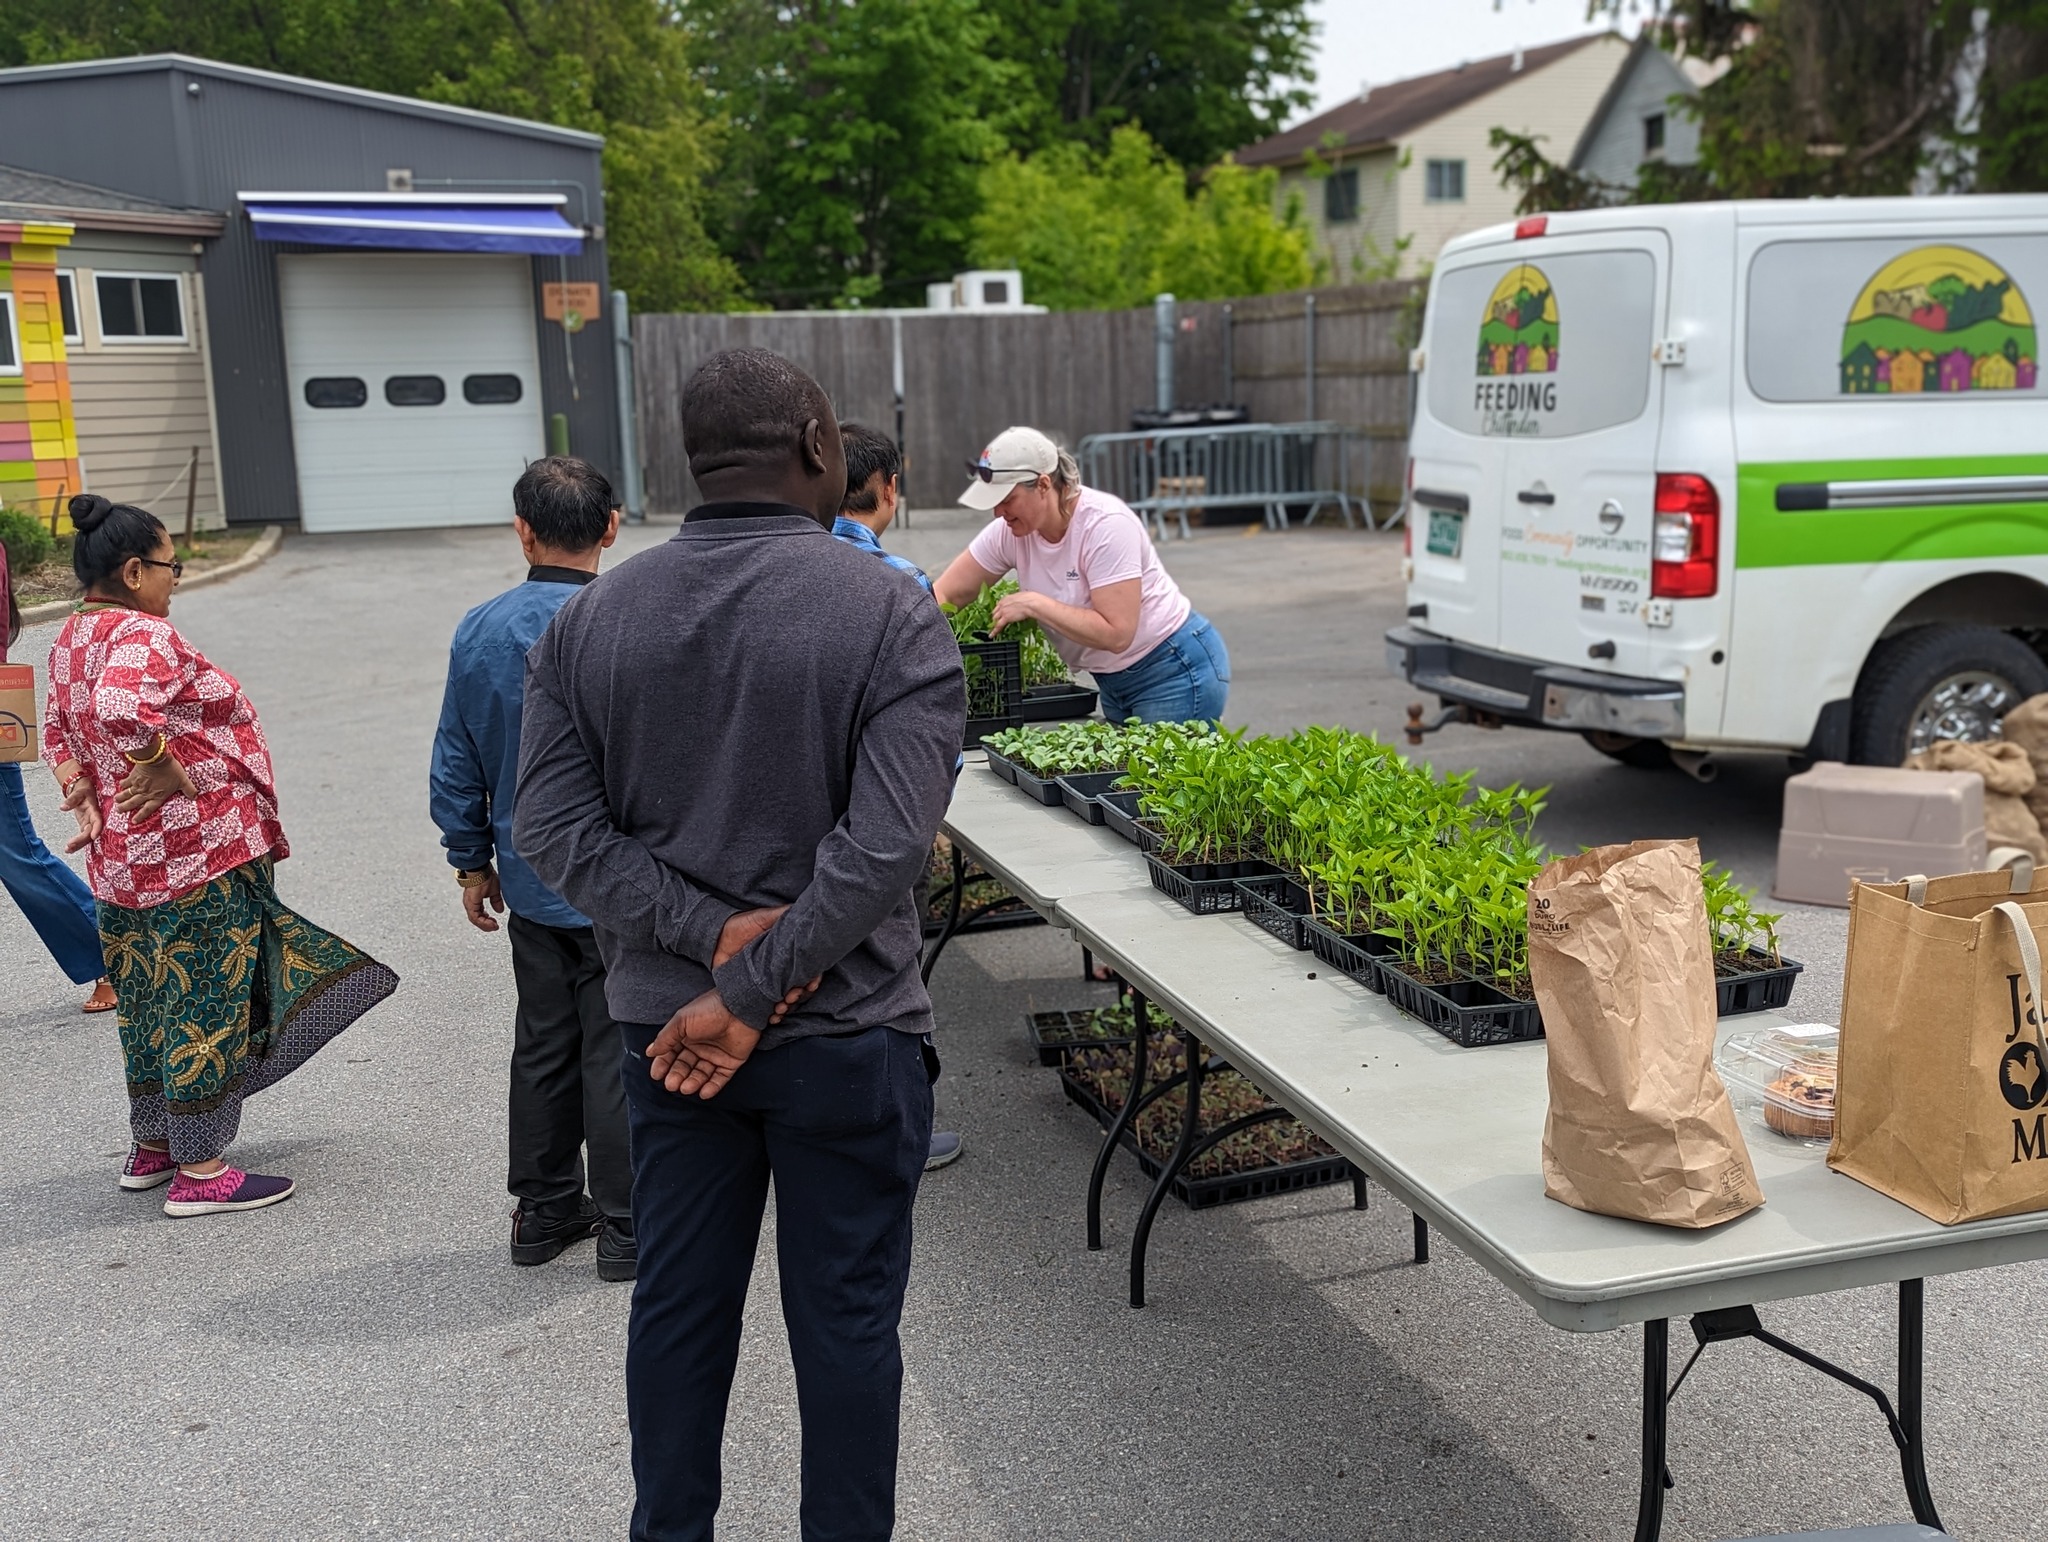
x=701, y=1048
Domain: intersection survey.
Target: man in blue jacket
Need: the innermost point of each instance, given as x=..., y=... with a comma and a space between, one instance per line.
x=566, y=1096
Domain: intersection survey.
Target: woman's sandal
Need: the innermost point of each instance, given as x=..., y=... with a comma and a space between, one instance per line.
x=102, y=999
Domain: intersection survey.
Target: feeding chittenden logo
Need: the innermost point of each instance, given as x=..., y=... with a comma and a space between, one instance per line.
x=1939, y=319
x=1517, y=337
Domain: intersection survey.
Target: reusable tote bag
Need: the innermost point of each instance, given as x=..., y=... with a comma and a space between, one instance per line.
x=1640, y=1125
x=19, y=740
x=1942, y=1092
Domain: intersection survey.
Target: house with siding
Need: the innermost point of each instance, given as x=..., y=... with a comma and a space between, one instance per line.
x=132, y=334
x=1388, y=177
x=38, y=439
x=1640, y=118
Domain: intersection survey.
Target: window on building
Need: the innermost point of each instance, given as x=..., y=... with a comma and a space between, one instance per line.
x=67, y=303
x=336, y=391
x=491, y=390
x=140, y=307
x=1653, y=137
x=1340, y=196
x=415, y=391
x=10, y=341
x=1444, y=182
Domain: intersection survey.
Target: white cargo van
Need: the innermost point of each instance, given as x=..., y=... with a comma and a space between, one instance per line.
x=1756, y=476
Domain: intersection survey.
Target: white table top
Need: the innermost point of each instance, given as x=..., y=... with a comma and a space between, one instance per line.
x=1455, y=1133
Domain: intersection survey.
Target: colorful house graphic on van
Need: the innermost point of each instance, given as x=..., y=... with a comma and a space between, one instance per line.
x=1939, y=318
x=1519, y=334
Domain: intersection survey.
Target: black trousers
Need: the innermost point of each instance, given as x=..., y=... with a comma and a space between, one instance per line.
x=566, y=1096
x=842, y=1125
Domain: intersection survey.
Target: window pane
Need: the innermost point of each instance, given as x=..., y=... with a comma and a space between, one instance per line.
x=1340, y=197
x=1653, y=133
x=162, y=315
x=336, y=391
x=120, y=310
x=67, y=305
x=1454, y=180
x=9, y=359
x=415, y=391
x=490, y=390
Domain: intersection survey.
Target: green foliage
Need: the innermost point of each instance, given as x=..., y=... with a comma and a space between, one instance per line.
x=27, y=539
x=1110, y=229
x=1075, y=748
x=1041, y=662
x=1732, y=917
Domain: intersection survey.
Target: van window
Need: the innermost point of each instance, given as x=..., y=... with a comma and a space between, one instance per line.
x=1895, y=316
x=1543, y=348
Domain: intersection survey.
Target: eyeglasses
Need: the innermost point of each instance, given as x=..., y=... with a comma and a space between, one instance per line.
x=177, y=568
x=989, y=473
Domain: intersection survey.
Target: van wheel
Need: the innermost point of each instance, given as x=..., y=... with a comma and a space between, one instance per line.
x=1643, y=754
x=1939, y=682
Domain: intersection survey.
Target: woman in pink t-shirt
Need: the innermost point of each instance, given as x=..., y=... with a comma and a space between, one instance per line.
x=1087, y=573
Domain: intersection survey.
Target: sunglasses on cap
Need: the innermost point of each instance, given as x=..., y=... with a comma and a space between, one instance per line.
x=989, y=473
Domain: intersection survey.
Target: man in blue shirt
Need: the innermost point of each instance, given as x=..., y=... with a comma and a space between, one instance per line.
x=566, y=1095
x=874, y=487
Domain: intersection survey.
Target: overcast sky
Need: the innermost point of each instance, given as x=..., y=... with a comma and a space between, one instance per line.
x=1387, y=40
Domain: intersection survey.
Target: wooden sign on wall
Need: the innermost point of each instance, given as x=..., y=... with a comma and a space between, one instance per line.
x=573, y=305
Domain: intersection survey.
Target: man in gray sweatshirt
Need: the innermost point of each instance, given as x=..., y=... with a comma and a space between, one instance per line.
x=737, y=749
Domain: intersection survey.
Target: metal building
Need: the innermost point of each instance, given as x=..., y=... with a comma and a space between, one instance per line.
x=385, y=303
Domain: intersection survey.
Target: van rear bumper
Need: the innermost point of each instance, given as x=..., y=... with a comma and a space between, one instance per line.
x=1519, y=690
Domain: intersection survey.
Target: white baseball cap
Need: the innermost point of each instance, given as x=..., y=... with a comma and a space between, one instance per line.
x=1013, y=456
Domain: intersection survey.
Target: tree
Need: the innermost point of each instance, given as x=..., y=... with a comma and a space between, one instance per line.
x=2007, y=147
x=616, y=67
x=859, y=133
x=1112, y=229
x=1201, y=77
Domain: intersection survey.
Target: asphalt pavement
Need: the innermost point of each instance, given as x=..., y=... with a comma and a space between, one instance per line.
x=364, y=1362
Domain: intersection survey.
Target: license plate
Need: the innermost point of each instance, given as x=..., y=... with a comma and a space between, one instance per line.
x=1446, y=533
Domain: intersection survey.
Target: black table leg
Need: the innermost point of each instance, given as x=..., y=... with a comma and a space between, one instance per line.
x=1656, y=1370
x=1190, y=1131
x=1913, y=1448
x=1421, y=1239
x=1361, y=1196
x=1140, y=1064
x=931, y=959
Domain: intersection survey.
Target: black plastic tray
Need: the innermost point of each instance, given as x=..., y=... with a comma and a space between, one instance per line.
x=1763, y=990
x=1357, y=955
x=1004, y=661
x=1120, y=813
x=1055, y=703
x=1467, y=1012
x=1083, y=792
x=1223, y=1188
x=1046, y=789
x=1279, y=905
x=1055, y=1034
x=1206, y=888
x=1000, y=763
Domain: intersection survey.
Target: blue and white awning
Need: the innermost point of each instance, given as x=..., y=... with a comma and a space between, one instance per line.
x=449, y=222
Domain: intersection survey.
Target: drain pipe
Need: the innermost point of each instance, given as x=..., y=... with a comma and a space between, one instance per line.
x=1697, y=764
x=1162, y=338
x=629, y=411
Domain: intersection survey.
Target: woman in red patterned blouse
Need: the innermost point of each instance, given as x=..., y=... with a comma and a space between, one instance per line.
x=223, y=990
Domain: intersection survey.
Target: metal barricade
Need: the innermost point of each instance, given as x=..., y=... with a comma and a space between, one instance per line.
x=1267, y=466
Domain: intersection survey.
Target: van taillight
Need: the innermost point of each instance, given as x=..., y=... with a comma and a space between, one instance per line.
x=1685, y=538
x=1408, y=524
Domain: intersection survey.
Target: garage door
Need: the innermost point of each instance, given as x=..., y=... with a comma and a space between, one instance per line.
x=415, y=387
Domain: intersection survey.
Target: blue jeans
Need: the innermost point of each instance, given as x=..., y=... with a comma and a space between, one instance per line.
x=58, y=905
x=1185, y=679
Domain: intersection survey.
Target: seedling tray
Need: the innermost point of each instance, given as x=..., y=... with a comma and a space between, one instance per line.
x=1046, y=789
x=1357, y=955
x=1467, y=1012
x=1206, y=888
x=1278, y=905
x=1766, y=988
x=1222, y=1188
x=1000, y=763
x=1083, y=792
x=1120, y=813
x=1055, y=703
x=995, y=684
x=1055, y=1034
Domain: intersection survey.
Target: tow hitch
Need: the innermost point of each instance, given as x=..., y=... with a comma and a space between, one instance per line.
x=1451, y=714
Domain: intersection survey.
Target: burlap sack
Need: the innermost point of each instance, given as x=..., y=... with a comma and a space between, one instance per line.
x=2027, y=726
x=1943, y=1072
x=2008, y=781
x=1640, y=1125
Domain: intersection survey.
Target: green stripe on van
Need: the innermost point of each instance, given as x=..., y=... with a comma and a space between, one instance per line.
x=1767, y=538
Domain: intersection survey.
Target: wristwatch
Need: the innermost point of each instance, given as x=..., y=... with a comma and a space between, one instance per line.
x=473, y=880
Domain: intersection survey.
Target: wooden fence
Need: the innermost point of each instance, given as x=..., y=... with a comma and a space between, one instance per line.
x=1338, y=354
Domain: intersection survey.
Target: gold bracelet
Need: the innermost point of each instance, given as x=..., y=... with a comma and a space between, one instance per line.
x=162, y=744
x=473, y=880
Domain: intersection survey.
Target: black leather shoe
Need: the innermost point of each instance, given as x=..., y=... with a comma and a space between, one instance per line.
x=537, y=1238
x=618, y=1255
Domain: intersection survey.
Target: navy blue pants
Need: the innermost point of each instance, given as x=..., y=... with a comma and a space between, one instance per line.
x=842, y=1125
x=55, y=900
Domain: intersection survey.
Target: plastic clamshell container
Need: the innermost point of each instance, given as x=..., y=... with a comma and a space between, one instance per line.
x=1784, y=1079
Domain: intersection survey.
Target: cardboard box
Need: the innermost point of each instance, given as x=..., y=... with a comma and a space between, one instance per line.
x=1874, y=823
x=18, y=737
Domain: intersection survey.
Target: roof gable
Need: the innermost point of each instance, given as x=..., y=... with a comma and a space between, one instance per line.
x=98, y=208
x=1391, y=111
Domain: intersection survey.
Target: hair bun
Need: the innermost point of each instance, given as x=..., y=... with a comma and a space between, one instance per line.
x=88, y=512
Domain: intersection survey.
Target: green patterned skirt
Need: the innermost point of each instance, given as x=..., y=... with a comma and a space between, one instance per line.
x=224, y=991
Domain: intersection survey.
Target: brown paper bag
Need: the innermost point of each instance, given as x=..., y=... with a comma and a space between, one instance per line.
x=1640, y=1125
x=1943, y=1073
x=18, y=737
